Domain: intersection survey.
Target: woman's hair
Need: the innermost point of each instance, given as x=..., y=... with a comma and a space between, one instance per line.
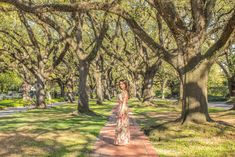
x=126, y=84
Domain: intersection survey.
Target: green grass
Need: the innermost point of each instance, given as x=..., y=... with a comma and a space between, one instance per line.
x=57, y=132
x=170, y=138
x=54, y=100
x=52, y=132
x=20, y=102
x=12, y=103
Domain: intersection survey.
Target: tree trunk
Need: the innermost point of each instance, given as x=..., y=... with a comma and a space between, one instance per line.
x=70, y=90
x=108, y=91
x=62, y=87
x=164, y=87
x=91, y=86
x=83, y=100
x=49, y=96
x=135, y=87
x=147, y=93
x=99, y=90
x=109, y=84
x=25, y=89
x=231, y=86
x=91, y=92
x=180, y=101
x=40, y=93
x=233, y=108
x=194, y=83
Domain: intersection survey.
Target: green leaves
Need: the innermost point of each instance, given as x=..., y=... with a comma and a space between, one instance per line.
x=9, y=81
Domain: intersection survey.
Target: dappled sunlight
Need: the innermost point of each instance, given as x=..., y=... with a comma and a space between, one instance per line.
x=173, y=139
x=166, y=68
x=53, y=131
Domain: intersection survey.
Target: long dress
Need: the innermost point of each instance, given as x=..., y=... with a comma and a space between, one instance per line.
x=122, y=130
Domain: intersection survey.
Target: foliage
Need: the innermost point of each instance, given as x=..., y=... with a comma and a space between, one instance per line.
x=217, y=84
x=9, y=81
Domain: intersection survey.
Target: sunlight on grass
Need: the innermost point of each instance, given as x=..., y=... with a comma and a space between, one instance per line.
x=20, y=102
x=57, y=132
x=54, y=100
x=173, y=139
x=13, y=103
x=52, y=132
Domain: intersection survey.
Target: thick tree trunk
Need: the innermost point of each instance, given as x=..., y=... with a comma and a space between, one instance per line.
x=26, y=89
x=135, y=90
x=83, y=100
x=40, y=93
x=99, y=88
x=194, y=105
x=147, y=92
x=231, y=85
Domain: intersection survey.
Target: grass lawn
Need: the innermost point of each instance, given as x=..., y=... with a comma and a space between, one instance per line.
x=52, y=132
x=54, y=100
x=56, y=132
x=215, y=139
x=19, y=102
x=12, y=103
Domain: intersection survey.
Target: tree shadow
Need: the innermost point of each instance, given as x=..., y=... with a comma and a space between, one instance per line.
x=19, y=144
x=56, y=121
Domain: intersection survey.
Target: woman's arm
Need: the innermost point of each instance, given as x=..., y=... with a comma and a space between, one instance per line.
x=124, y=103
x=125, y=99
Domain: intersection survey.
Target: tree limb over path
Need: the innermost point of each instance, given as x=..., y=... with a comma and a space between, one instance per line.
x=87, y=6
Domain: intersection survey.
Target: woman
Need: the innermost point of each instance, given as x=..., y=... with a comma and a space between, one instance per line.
x=122, y=131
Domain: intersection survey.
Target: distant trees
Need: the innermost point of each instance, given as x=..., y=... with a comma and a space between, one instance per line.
x=34, y=47
x=228, y=66
x=185, y=39
x=9, y=81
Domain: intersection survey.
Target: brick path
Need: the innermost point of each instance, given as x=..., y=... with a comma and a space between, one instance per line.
x=139, y=145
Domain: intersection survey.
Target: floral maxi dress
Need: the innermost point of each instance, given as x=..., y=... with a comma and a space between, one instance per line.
x=122, y=130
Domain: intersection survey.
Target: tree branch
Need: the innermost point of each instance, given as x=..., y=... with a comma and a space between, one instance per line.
x=225, y=36
x=112, y=8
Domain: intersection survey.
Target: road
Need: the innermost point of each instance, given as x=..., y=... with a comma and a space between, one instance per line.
x=13, y=110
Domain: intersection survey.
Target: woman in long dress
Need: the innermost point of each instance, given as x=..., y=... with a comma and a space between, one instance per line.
x=122, y=130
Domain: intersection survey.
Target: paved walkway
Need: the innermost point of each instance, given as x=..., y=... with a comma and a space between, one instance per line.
x=217, y=104
x=220, y=105
x=13, y=110
x=139, y=145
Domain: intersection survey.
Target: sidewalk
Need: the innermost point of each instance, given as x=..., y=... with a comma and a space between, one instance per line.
x=13, y=110
x=139, y=146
